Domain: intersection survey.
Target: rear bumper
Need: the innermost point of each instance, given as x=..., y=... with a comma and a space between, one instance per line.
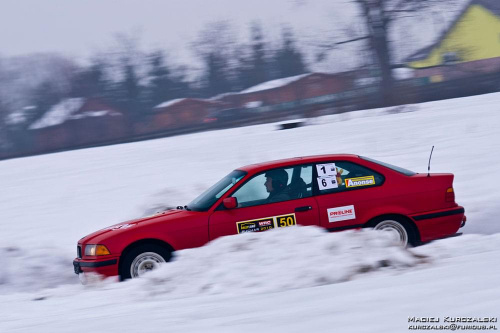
x=107, y=267
x=440, y=223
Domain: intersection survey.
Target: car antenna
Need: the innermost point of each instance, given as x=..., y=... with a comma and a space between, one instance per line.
x=429, y=166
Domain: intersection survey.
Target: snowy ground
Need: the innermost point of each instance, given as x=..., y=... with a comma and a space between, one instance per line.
x=48, y=202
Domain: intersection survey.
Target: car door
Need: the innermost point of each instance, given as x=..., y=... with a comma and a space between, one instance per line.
x=345, y=191
x=255, y=213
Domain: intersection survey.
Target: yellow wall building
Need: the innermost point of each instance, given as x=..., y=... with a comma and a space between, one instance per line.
x=474, y=36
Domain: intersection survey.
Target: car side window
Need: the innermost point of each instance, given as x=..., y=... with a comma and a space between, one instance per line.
x=345, y=177
x=276, y=185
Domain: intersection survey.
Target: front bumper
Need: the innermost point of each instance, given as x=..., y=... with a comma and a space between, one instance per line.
x=106, y=267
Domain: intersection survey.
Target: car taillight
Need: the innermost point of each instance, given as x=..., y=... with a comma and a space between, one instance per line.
x=450, y=195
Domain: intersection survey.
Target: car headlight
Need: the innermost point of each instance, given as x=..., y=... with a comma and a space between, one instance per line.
x=96, y=250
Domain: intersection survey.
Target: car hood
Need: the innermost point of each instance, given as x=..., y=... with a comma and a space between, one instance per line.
x=129, y=225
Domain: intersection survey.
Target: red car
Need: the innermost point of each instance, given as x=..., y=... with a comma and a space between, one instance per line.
x=336, y=192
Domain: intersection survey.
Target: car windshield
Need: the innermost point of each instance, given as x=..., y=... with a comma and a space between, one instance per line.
x=209, y=197
x=390, y=166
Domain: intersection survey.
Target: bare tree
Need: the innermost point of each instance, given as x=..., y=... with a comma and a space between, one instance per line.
x=216, y=47
x=379, y=17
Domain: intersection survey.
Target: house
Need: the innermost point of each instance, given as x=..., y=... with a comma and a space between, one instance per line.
x=181, y=113
x=76, y=122
x=289, y=93
x=470, y=45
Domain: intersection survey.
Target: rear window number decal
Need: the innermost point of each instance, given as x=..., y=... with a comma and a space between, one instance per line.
x=327, y=176
x=326, y=183
x=326, y=170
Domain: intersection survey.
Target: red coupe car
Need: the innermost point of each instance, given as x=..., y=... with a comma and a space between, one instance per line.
x=336, y=192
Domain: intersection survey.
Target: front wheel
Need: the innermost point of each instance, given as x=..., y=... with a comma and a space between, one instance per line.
x=143, y=259
x=398, y=231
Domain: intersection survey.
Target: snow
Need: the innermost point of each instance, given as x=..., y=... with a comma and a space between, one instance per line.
x=100, y=113
x=18, y=117
x=451, y=278
x=259, y=263
x=59, y=113
x=274, y=83
x=403, y=73
x=282, y=281
x=220, y=96
x=254, y=104
x=33, y=269
x=169, y=103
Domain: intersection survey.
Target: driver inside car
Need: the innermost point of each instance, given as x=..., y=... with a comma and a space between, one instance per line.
x=276, y=185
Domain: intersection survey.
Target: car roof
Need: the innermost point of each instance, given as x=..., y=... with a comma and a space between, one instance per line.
x=258, y=167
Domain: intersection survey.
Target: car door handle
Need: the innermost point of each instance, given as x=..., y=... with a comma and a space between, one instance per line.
x=303, y=209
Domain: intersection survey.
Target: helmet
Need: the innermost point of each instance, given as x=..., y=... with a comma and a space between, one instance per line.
x=279, y=178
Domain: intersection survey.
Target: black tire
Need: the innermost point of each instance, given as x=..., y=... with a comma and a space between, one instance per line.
x=399, y=227
x=141, y=259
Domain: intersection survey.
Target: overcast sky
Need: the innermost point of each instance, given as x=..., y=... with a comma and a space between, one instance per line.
x=81, y=27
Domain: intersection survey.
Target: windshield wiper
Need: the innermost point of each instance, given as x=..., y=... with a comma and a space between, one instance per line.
x=183, y=207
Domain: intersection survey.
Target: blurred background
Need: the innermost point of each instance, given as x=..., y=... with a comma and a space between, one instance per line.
x=80, y=74
x=214, y=82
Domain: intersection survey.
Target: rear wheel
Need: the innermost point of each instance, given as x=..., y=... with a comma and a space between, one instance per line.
x=399, y=230
x=143, y=259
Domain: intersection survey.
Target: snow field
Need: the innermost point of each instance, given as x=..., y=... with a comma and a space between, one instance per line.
x=352, y=281
x=446, y=278
x=297, y=257
x=30, y=270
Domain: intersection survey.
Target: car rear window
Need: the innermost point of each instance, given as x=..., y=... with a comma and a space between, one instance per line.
x=390, y=166
x=349, y=177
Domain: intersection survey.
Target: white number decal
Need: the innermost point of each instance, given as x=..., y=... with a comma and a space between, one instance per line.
x=326, y=170
x=326, y=183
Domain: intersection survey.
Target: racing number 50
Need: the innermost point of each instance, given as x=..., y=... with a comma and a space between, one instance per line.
x=286, y=221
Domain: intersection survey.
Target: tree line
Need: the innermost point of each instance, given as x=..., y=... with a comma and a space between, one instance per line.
x=135, y=81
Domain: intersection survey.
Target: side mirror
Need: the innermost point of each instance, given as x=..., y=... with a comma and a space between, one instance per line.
x=230, y=202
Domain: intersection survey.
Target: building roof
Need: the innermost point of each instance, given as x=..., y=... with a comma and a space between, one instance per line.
x=178, y=100
x=71, y=109
x=274, y=83
x=169, y=103
x=95, y=113
x=59, y=113
x=491, y=5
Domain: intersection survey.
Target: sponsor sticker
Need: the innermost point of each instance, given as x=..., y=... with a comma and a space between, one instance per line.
x=360, y=181
x=341, y=213
x=255, y=225
x=266, y=223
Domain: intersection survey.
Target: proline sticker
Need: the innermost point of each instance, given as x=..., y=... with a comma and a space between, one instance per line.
x=341, y=213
